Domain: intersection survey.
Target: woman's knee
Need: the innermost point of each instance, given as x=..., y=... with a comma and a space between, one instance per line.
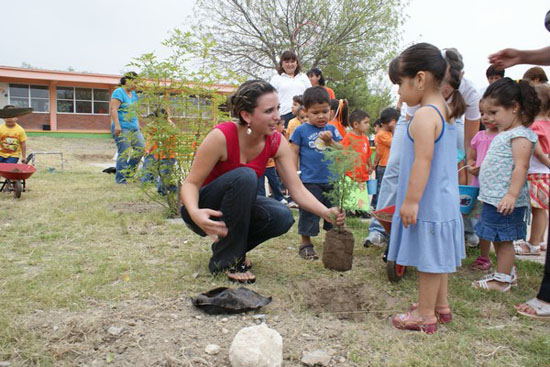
x=245, y=176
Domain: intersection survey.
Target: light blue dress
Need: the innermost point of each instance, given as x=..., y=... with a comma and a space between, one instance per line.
x=435, y=244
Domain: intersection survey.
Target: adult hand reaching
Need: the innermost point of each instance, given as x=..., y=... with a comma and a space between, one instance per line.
x=212, y=228
x=505, y=58
x=334, y=213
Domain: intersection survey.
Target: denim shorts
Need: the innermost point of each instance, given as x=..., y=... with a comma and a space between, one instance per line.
x=308, y=224
x=496, y=227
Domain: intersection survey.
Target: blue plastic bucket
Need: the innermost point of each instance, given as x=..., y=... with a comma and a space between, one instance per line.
x=371, y=186
x=468, y=197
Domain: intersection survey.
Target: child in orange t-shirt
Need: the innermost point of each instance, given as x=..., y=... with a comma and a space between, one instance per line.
x=388, y=119
x=339, y=115
x=359, y=142
x=271, y=174
x=301, y=117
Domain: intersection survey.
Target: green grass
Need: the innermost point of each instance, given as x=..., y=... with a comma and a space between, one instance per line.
x=76, y=240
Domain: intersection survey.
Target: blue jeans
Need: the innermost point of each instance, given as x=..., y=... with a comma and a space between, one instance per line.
x=250, y=219
x=125, y=162
x=308, y=224
x=388, y=188
x=274, y=183
x=148, y=170
x=9, y=159
x=165, y=173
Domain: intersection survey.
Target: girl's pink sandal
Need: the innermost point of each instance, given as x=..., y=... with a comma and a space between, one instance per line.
x=403, y=321
x=443, y=314
x=482, y=263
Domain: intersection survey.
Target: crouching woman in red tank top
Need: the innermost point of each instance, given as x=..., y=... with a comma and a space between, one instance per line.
x=220, y=193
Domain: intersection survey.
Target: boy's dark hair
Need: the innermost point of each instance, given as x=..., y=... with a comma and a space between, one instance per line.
x=334, y=103
x=127, y=76
x=536, y=72
x=317, y=72
x=543, y=92
x=377, y=122
x=246, y=97
x=357, y=116
x=300, y=109
x=289, y=55
x=298, y=99
x=388, y=115
x=315, y=95
x=492, y=71
x=506, y=92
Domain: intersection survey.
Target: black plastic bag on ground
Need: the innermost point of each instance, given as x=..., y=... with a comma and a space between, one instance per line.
x=228, y=300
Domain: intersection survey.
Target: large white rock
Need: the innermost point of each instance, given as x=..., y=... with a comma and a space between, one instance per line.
x=257, y=346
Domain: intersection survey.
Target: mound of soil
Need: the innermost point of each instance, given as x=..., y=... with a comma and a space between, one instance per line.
x=338, y=298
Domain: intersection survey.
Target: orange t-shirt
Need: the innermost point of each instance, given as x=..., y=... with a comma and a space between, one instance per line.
x=361, y=145
x=383, y=144
x=330, y=93
x=341, y=129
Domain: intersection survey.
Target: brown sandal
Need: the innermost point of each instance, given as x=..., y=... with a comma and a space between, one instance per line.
x=240, y=270
x=307, y=252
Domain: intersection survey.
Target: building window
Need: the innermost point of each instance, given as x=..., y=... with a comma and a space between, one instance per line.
x=82, y=100
x=35, y=96
x=191, y=107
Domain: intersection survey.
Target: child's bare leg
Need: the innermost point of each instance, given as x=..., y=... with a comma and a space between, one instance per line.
x=505, y=257
x=428, y=289
x=538, y=227
x=442, y=300
x=484, y=247
x=305, y=239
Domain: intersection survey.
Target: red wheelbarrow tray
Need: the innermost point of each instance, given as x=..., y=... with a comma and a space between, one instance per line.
x=384, y=216
x=16, y=171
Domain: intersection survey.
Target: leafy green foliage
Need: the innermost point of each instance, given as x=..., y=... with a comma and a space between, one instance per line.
x=181, y=100
x=340, y=162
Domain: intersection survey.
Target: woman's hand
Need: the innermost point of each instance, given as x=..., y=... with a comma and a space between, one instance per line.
x=333, y=215
x=506, y=204
x=118, y=130
x=213, y=228
x=408, y=212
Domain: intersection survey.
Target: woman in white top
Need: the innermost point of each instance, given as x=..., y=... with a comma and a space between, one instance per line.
x=289, y=82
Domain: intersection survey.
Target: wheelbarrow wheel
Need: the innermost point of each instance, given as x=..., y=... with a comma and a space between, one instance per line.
x=17, y=189
x=395, y=271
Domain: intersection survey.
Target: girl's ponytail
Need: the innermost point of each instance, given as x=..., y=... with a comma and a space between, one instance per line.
x=507, y=92
x=342, y=113
x=529, y=102
x=455, y=64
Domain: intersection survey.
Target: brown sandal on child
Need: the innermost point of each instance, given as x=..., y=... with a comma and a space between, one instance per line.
x=307, y=252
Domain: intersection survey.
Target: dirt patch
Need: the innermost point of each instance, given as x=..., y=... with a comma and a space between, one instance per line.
x=94, y=157
x=135, y=207
x=170, y=333
x=343, y=300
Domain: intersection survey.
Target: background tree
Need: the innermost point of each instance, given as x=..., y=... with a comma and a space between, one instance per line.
x=350, y=40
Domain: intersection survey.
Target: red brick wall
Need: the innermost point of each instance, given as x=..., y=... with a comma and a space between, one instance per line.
x=34, y=121
x=83, y=122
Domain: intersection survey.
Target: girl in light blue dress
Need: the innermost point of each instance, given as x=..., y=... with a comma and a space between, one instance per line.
x=427, y=230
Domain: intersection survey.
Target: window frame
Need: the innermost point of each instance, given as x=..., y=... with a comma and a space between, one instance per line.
x=74, y=100
x=29, y=98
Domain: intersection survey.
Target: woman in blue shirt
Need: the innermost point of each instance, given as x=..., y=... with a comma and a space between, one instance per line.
x=125, y=128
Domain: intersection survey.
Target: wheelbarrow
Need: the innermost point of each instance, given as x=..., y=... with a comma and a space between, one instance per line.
x=15, y=175
x=395, y=271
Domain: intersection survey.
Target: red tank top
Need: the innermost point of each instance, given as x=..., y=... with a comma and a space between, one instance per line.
x=229, y=129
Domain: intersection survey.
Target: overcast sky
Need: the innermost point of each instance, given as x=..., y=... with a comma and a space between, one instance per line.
x=102, y=36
